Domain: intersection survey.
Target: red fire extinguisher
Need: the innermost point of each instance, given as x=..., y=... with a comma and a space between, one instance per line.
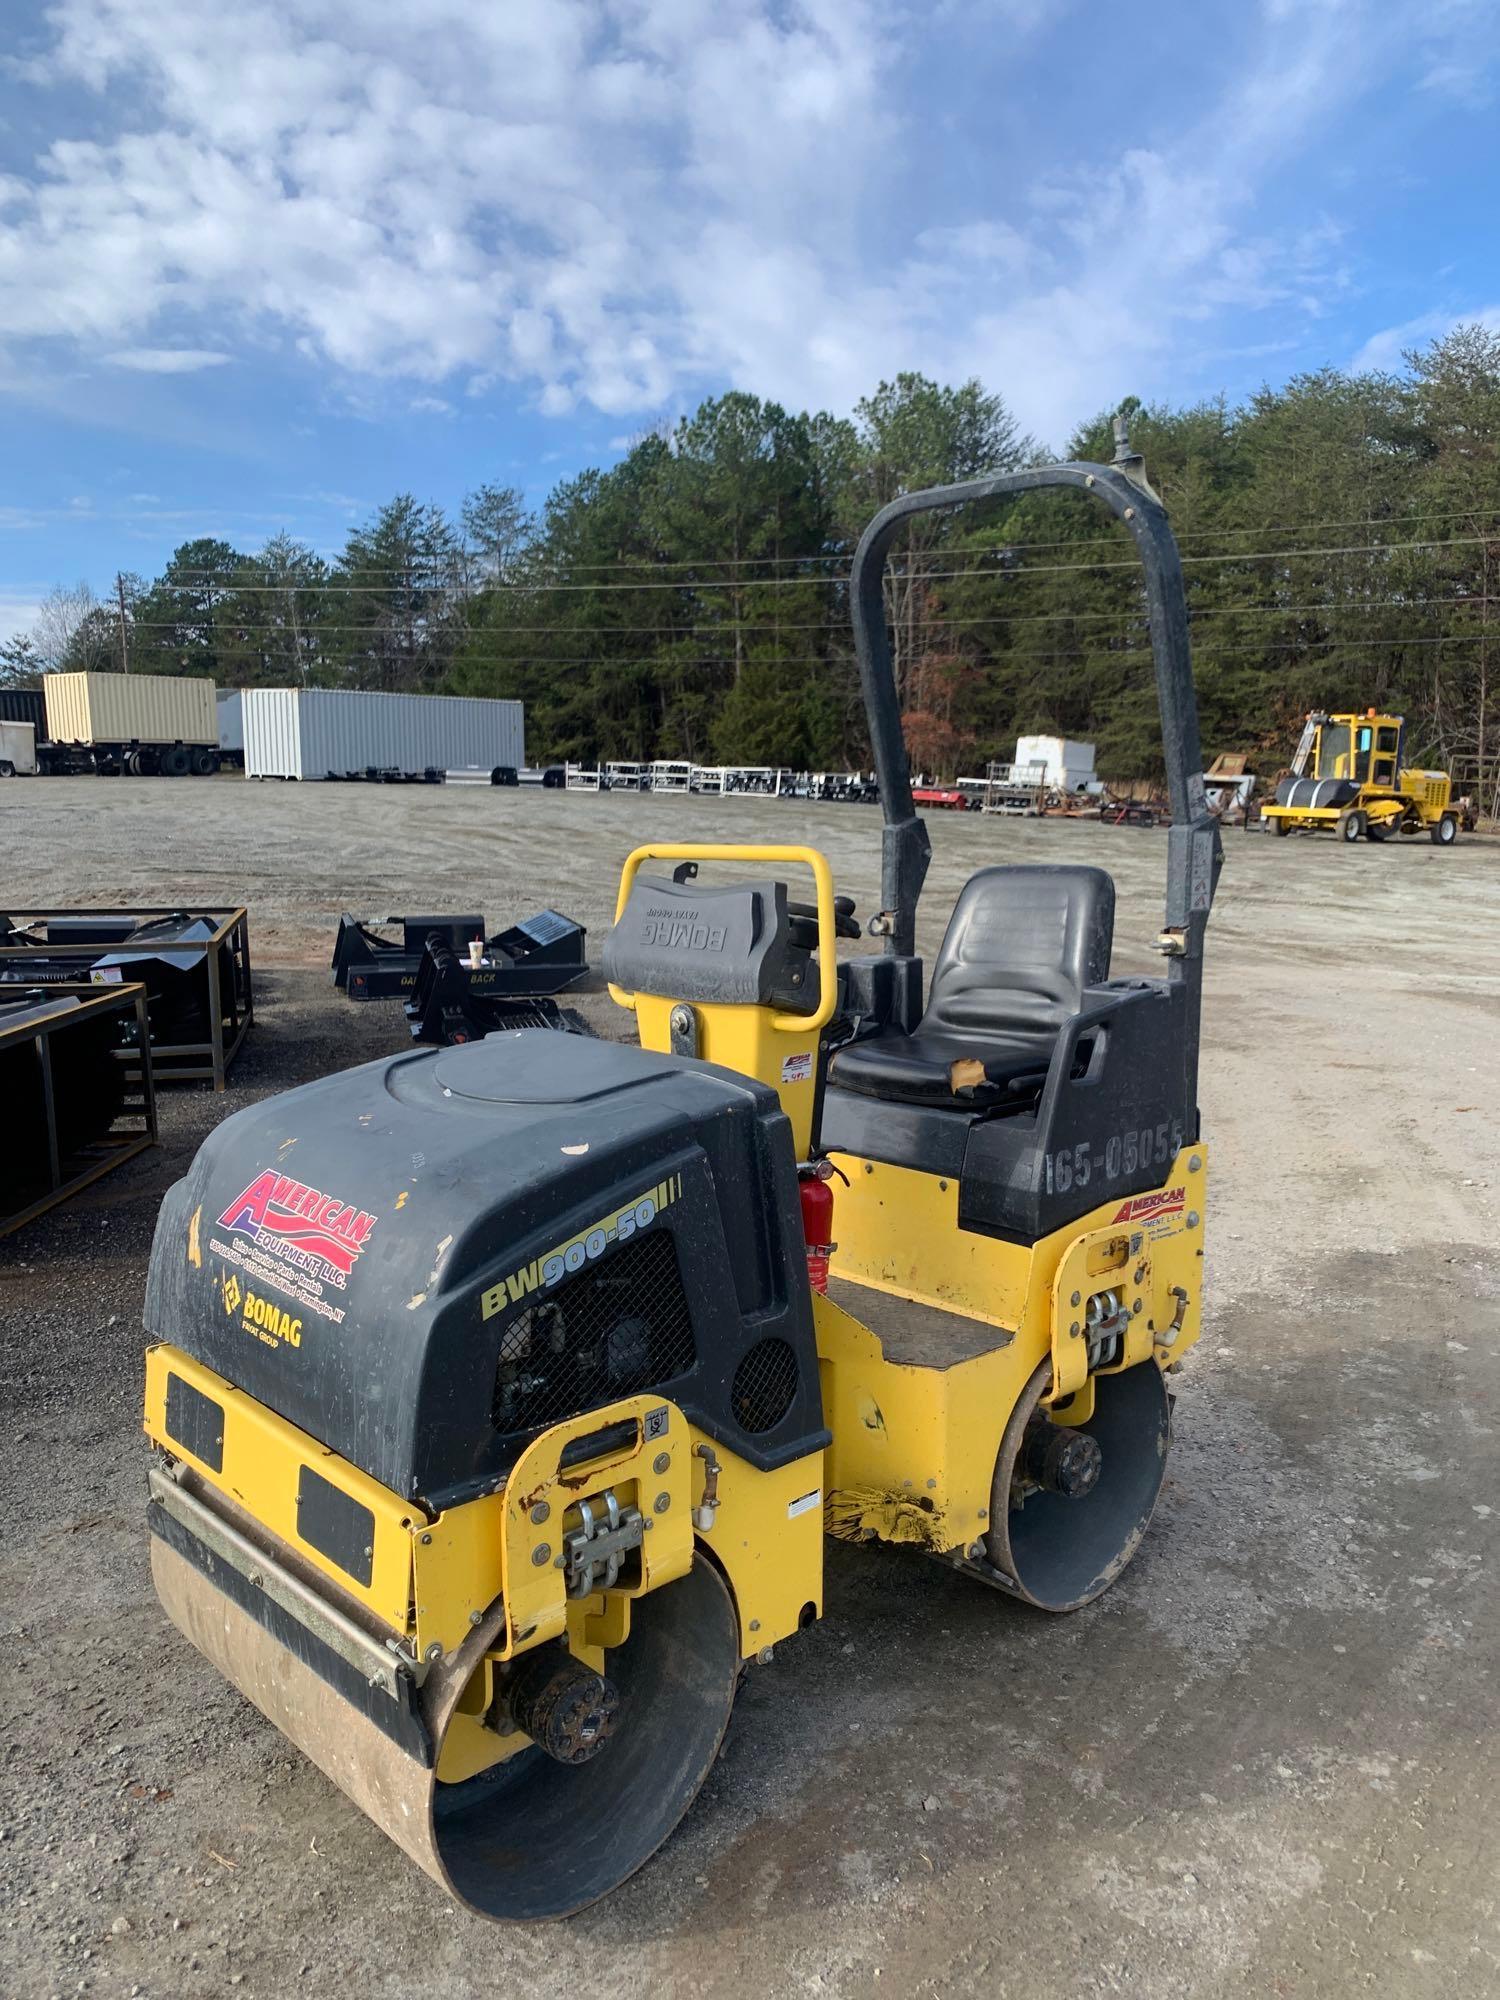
x=817, y=1219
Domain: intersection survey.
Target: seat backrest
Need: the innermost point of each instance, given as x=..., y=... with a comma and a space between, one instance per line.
x=1022, y=944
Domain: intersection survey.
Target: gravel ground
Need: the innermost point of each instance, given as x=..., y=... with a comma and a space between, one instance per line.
x=1265, y=1764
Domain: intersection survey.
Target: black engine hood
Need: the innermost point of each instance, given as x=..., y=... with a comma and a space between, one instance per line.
x=352, y=1252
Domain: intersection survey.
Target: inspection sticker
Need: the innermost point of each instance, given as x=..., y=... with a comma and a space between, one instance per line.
x=797, y=1069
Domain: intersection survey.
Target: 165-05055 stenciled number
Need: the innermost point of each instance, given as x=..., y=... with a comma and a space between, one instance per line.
x=1124, y=1154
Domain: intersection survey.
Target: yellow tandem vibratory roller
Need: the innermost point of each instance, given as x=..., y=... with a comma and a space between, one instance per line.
x=501, y=1396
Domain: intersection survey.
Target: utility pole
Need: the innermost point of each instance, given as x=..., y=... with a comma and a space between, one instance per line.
x=124, y=640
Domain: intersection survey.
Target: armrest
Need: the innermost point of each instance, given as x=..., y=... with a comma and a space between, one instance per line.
x=881, y=993
x=1101, y=1004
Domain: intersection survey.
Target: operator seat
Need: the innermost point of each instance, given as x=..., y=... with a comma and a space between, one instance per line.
x=1021, y=946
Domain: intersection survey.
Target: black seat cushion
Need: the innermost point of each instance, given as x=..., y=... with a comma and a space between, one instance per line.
x=1022, y=945
x=922, y=1068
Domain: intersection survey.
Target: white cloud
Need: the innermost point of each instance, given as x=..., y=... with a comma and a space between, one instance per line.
x=618, y=203
x=167, y=360
x=18, y=611
x=1382, y=352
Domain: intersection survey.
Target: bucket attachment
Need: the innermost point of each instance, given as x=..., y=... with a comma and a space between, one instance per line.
x=540, y=954
x=450, y=1004
x=1072, y=1501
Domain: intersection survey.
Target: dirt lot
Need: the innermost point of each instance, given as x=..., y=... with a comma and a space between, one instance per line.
x=1266, y=1764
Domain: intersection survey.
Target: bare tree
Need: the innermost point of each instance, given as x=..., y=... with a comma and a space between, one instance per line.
x=496, y=528
x=68, y=632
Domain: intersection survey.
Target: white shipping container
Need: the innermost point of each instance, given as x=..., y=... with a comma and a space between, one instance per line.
x=130, y=708
x=322, y=732
x=17, y=750
x=231, y=720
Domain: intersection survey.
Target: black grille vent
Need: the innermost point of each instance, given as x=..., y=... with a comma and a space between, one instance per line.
x=765, y=1384
x=608, y=1332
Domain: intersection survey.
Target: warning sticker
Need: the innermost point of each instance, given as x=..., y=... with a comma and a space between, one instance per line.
x=797, y=1069
x=803, y=1504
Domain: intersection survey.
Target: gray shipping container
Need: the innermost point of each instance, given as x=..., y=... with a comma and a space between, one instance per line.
x=231, y=721
x=322, y=732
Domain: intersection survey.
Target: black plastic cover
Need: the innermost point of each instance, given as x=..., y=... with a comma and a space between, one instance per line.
x=730, y=944
x=1106, y=1121
x=354, y=1253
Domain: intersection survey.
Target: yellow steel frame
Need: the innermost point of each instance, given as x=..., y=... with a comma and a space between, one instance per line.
x=261, y=1458
x=914, y=1447
x=431, y=1574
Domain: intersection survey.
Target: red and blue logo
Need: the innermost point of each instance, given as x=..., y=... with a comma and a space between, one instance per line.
x=277, y=1210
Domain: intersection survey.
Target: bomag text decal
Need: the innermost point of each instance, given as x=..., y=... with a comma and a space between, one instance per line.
x=681, y=930
x=267, y=1321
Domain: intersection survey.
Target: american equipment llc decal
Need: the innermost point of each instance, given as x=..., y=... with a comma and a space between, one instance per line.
x=294, y=1238
x=1163, y=1206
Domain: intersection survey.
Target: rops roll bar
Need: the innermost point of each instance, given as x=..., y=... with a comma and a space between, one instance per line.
x=1195, y=856
x=1194, y=852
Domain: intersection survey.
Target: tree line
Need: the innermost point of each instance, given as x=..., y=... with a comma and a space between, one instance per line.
x=1340, y=536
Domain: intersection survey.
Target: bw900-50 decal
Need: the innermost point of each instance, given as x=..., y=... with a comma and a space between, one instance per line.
x=294, y=1238
x=542, y=1273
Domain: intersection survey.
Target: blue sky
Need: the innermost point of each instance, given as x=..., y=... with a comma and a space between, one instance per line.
x=262, y=267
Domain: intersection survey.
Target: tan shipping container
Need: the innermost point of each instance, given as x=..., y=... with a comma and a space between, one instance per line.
x=130, y=708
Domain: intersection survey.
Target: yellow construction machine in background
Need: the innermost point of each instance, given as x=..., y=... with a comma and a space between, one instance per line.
x=1348, y=779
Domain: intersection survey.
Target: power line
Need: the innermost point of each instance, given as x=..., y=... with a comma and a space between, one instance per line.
x=736, y=629
x=1130, y=651
x=217, y=577
x=541, y=586
x=1067, y=542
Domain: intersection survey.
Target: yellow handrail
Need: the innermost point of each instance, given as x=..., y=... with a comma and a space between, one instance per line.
x=808, y=857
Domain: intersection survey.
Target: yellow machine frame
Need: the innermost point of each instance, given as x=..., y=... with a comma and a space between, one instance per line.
x=433, y=1577
x=1393, y=798
x=779, y=1049
x=914, y=1447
